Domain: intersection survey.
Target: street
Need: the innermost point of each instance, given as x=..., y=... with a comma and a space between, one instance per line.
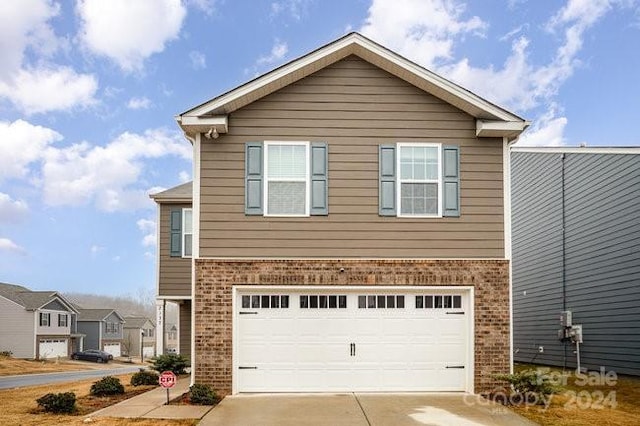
x=8, y=382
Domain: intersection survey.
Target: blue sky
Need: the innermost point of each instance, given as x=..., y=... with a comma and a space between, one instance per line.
x=89, y=89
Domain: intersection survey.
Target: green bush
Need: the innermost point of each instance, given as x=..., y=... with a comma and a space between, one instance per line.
x=6, y=354
x=170, y=362
x=58, y=402
x=531, y=384
x=144, y=377
x=107, y=386
x=202, y=395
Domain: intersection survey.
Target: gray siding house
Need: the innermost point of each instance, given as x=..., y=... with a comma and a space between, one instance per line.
x=138, y=332
x=576, y=247
x=36, y=324
x=103, y=329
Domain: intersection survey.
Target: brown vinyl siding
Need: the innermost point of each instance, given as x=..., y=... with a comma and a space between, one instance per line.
x=184, y=346
x=354, y=107
x=175, y=272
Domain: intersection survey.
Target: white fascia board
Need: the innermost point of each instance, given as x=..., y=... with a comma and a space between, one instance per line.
x=342, y=48
x=499, y=129
x=191, y=124
x=578, y=150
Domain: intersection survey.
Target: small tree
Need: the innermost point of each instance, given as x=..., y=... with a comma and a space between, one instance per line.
x=170, y=362
x=202, y=394
x=107, y=386
x=144, y=377
x=58, y=402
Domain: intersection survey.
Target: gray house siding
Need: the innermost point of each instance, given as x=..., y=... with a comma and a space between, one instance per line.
x=17, y=333
x=106, y=335
x=92, y=331
x=601, y=262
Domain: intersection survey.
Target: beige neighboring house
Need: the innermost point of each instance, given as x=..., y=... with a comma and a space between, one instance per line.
x=347, y=230
x=138, y=332
x=171, y=343
x=37, y=324
x=103, y=329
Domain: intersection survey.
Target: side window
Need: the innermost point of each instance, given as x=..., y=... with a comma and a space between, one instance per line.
x=187, y=232
x=381, y=301
x=62, y=320
x=45, y=319
x=265, y=301
x=419, y=180
x=286, y=179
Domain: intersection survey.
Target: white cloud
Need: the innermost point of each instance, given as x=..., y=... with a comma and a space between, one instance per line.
x=9, y=246
x=198, y=60
x=422, y=30
x=148, y=228
x=107, y=175
x=278, y=51
x=44, y=86
x=547, y=130
x=294, y=8
x=12, y=210
x=206, y=6
x=144, y=27
x=95, y=249
x=139, y=103
x=47, y=89
x=184, y=176
x=22, y=143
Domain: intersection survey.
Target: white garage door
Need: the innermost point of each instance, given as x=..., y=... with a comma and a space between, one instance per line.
x=370, y=340
x=112, y=348
x=52, y=348
x=148, y=351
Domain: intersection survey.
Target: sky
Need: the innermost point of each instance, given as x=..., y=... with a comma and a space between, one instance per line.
x=89, y=90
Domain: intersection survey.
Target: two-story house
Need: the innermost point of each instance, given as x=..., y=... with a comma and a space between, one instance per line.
x=347, y=230
x=103, y=329
x=139, y=337
x=37, y=324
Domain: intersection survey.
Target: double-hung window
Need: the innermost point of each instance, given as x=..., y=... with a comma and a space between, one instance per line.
x=286, y=178
x=187, y=232
x=419, y=180
x=45, y=319
x=181, y=232
x=62, y=320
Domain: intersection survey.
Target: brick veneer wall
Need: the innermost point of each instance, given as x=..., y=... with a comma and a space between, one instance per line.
x=215, y=279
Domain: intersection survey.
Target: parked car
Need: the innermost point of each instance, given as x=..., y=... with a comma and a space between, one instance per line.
x=92, y=355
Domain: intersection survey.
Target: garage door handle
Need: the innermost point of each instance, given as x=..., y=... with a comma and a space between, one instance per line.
x=352, y=347
x=247, y=368
x=248, y=313
x=455, y=313
x=454, y=366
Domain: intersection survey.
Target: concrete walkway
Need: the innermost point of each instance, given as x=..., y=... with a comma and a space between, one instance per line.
x=361, y=410
x=151, y=405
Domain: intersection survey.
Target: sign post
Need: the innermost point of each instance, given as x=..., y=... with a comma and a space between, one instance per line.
x=167, y=380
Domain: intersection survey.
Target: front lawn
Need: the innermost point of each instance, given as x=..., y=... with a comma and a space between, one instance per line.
x=19, y=407
x=13, y=366
x=593, y=400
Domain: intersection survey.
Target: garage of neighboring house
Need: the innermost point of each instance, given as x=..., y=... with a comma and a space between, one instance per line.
x=112, y=348
x=52, y=348
x=344, y=339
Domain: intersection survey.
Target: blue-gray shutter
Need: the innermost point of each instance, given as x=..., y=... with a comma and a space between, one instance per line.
x=387, y=187
x=176, y=233
x=253, y=178
x=319, y=179
x=451, y=181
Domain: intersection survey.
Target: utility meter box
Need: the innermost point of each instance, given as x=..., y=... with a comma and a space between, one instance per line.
x=566, y=319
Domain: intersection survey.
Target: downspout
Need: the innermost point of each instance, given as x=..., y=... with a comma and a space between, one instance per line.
x=564, y=255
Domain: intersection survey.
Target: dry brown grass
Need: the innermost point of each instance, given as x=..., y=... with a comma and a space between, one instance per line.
x=590, y=404
x=13, y=366
x=19, y=407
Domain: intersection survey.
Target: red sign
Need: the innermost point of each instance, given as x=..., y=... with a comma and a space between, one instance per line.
x=167, y=379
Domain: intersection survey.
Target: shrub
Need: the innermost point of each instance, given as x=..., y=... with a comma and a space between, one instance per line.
x=202, y=395
x=530, y=384
x=170, y=362
x=6, y=354
x=58, y=402
x=144, y=377
x=107, y=386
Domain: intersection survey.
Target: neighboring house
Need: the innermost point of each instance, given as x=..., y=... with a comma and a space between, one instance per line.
x=37, y=324
x=139, y=332
x=349, y=230
x=576, y=247
x=103, y=329
x=171, y=342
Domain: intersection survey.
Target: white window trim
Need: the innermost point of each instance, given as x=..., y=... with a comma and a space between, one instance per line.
x=183, y=234
x=265, y=187
x=66, y=320
x=46, y=315
x=400, y=181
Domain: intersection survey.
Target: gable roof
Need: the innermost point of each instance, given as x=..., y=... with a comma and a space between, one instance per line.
x=180, y=193
x=492, y=120
x=32, y=300
x=136, y=322
x=96, y=314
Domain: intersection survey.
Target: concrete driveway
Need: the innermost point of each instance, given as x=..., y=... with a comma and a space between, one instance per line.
x=361, y=410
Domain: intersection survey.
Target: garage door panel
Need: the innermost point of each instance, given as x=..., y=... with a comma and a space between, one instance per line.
x=309, y=349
